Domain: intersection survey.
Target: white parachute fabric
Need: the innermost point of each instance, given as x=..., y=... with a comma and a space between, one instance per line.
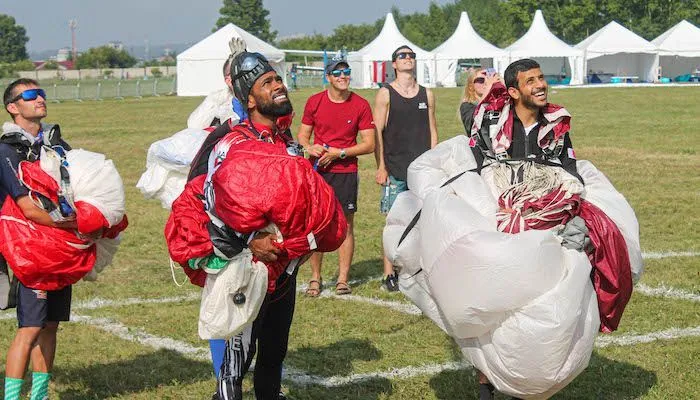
x=601, y=193
x=521, y=307
x=106, y=249
x=96, y=181
x=168, y=163
x=217, y=105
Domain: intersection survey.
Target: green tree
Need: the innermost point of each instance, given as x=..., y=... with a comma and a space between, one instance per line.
x=249, y=15
x=105, y=57
x=13, y=39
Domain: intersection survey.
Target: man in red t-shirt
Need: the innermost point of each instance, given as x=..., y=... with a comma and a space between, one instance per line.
x=335, y=116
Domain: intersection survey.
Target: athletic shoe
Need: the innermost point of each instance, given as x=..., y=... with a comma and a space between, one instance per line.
x=486, y=391
x=281, y=396
x=390, y=283
x=215, y=396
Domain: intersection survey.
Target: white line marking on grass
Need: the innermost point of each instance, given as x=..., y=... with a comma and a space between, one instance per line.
x=100, y=303
x=400, y=373
x=668, y=254
x=629, y=340
x=394, y=305
x=140, y=336
x=664, y=291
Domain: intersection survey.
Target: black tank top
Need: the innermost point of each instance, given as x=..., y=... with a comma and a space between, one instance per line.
x=407, y=131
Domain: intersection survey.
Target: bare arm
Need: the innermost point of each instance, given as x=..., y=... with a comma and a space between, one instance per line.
x=381, y=113
x=431, y=119
x=40, y=216
x=304, y=138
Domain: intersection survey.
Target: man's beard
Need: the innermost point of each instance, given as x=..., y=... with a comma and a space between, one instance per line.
x=273, y=109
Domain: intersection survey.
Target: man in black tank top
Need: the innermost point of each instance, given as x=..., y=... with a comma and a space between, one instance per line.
x=404, y=115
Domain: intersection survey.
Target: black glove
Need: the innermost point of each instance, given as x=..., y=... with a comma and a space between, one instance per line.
x=227, y=244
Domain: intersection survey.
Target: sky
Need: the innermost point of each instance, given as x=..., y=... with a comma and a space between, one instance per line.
x=179, y=21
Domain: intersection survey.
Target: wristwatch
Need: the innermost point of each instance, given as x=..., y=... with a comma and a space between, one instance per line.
x=342, y=154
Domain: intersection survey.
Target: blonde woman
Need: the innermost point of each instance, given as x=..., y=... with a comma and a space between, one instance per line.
x=477, y=86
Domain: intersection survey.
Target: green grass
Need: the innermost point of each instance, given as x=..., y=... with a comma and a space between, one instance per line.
x=644, y=139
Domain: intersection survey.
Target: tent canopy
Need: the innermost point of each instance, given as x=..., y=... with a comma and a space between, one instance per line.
x=370, y=64
x=539, y=41
x=199, y=68
x=215, y=46
x=614, y=38
x=682, y=40
x=465, y=42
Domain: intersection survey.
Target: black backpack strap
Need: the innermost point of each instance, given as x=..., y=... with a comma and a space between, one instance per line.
x=201, y=159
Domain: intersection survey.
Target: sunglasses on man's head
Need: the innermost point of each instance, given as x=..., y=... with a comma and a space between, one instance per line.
x=29, y=95
x=337, y=72
x=480, y=79
x=401, y=56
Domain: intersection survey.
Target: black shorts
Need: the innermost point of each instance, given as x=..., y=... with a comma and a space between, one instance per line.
x=37, y=307
x=345, y=186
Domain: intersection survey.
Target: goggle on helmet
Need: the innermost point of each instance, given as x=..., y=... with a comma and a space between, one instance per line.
x=246, y=68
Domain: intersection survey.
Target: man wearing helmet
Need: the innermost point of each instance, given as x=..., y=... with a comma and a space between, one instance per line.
x=263, y=96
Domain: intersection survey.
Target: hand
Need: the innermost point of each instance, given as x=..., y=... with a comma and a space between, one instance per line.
x=263, y=248
x=381, y=177
x=490, y=80
x=329, y=156
x=315, y=150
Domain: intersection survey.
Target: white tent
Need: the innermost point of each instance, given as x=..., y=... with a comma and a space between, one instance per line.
x=464, y=43
x=551, y=52
x=679, y=48
x=372, y=63
x=200, y=68
x=616, y=50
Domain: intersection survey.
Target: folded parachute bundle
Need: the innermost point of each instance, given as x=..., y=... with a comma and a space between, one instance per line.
x=486, y=262
x=168, y=163
x=49, y=258
x=258, y=186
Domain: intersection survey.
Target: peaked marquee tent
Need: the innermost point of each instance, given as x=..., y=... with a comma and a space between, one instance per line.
x=617, y=50
x=464, y=43
x=199, y=68
x=679, y=49
x=372, y=63
x=539, y=43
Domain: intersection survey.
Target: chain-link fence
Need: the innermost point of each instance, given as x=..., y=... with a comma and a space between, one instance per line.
x=104, y=89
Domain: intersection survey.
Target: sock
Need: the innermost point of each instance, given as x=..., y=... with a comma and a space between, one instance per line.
x=13, y=387
x=40, y=385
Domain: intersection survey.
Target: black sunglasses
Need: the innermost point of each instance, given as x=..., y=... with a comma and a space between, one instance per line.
x=410, y=54
x=337, y=72
x=29, y=95
x=480, y=80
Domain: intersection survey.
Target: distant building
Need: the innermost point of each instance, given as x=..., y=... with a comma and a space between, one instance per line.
x=64, y=54
x=116, y=45
x=61, y=65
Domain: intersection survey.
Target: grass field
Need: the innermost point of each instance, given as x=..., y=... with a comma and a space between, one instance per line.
x=140, y=341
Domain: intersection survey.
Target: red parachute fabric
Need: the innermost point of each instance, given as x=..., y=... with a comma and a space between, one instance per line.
x=612, y=275
x=186, y=230
x=42, y=257
x=259, y=183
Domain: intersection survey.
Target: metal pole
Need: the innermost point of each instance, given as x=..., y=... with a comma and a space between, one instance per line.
x=155, y=87
x=99, y=89
x=119, y=90
x=138, y=88
x=77, y=93
x=55, y=94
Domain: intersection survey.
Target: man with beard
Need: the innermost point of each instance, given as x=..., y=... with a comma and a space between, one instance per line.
x=527, y=89
x=262, y=92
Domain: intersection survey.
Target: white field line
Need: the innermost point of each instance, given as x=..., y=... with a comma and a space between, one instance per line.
x=629, y=340
x=665, y=291
x=140, y=336
x=669, y=254
x=101, y=303
x=300, y=378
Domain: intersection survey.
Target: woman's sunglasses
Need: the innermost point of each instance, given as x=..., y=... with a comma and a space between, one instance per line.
x=480, y=80
x=401, y=56
x=29, y=95
x=337, y=72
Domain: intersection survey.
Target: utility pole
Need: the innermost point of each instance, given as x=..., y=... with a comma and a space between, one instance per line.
x=72, y=24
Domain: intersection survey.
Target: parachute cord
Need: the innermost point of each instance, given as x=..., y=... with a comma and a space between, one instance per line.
x=172, y=272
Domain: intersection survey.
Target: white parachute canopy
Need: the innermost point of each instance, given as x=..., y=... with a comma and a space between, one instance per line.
x=465, y=42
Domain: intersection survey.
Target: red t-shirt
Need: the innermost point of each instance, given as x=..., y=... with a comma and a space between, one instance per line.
x=337, y=124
